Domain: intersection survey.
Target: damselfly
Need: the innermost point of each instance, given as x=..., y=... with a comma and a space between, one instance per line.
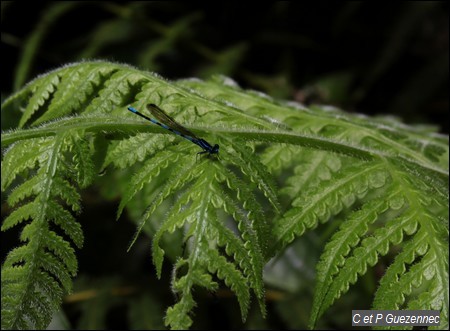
x=168, y=123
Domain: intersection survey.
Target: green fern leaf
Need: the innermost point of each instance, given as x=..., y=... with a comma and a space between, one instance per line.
x=24, y=155
x=175, y=219
x=151, y=169
x=35, y=275
x=232, y=277
x=41, y=94
x=127, y=152
x=252, y=232
x=311, y=168
x=177, y=316
x=339, y=247
x=329, y=199
x=82, y=160
x=385, y=182
x=203, y=230
x=256, y=172
x=23, y=213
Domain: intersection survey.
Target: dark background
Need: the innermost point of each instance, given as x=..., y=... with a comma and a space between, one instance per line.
x=374, y=58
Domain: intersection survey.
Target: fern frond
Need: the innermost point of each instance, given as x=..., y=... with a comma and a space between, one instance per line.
x=253, y=233
x=23, y=213
x=405, y=214
x=35, y=275
x=232, y=277
x=311, y=168
x=256, y=172
x=41, y=95
x=23, y=156
x=386, y=182
x=127, y=152
x=329, y=199
x=74, y=90
x=339, y=247
x=144, y=175
x=83, y=165
x=191, y=208
x=417, y=265
x=398, y=282
x=174, y=220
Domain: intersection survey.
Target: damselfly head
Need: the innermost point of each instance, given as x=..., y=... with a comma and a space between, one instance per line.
x=215, y=149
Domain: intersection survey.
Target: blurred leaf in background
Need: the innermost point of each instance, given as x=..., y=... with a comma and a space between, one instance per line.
x=376, y=59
